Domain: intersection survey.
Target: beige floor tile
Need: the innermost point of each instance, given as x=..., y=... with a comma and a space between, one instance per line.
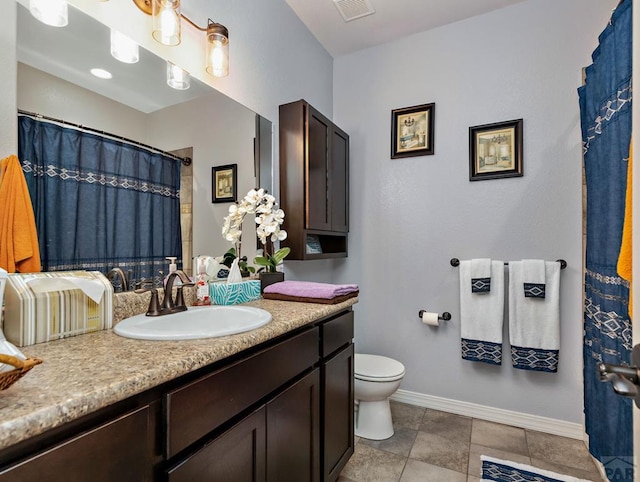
x=400, y=443
x=447, y=425
x=499, y=436
x=440, y=451
x=416, y=471
x=404, y=415
x=559, y=450
x=475, y=464
x=372, y=465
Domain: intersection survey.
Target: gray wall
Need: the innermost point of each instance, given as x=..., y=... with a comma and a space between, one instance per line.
x=410, y=216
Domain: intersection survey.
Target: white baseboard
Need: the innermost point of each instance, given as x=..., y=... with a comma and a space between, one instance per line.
x=491, y=414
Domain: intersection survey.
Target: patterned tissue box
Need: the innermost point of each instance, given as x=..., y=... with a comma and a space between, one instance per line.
x=233, y=293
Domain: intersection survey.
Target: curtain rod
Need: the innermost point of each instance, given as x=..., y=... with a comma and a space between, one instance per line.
x=185, y=160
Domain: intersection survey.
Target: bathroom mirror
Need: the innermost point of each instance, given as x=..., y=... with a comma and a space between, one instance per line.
x=137, y=103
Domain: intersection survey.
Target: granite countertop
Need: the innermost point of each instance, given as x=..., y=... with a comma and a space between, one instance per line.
x=82, y=374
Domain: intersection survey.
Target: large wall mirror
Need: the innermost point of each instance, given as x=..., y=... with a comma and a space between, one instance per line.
x=137, y=103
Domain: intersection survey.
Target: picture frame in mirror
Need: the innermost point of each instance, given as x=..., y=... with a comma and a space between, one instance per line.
x=224, y=183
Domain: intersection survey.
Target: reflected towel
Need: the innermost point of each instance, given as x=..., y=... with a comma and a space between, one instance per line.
x=624, y=258
x=310, y=289
x=481, y=317
x=534, y=324
x=533, y=276
x=19, y=249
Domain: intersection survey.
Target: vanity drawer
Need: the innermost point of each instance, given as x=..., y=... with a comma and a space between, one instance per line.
x=196, y=409
x=336, y=333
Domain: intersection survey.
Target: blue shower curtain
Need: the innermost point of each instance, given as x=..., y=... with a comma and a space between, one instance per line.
x=99, y=202
x=605, y=108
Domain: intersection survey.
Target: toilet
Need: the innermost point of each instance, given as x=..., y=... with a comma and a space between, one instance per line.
x=376, y=379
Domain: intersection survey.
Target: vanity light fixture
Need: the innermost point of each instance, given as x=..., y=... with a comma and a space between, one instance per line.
x=123, y=48
x=166, y=30
x=50, y=12
x=177, y=78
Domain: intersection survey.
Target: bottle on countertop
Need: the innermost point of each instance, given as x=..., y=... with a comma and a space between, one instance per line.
x=202, y=285
x=172, y=267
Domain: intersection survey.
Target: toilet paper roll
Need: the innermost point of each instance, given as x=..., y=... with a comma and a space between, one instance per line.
x=429, y=318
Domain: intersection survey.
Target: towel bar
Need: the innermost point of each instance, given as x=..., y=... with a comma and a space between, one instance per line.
x=455, y=262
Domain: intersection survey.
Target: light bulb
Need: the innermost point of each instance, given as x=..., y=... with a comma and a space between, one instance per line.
x=166, y=21
x=217, y=51
x=123, y=48
x=50, y=12
x=177, y=78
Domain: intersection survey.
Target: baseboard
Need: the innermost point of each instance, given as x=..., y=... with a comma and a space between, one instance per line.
x=491, y=414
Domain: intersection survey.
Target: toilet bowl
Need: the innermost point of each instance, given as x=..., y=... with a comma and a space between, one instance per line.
x=376, y=379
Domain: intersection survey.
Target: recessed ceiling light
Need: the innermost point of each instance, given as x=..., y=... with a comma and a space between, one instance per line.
x=101, y=73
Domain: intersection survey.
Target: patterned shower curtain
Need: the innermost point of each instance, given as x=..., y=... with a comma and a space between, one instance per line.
x=605, y=107
x=99, y=202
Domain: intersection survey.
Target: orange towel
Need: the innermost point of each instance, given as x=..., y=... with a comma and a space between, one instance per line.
x=625, y=264
x=19, y=249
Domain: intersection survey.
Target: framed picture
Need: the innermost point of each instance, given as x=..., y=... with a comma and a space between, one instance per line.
x=412, y=131
x=495, y=150
x=224, y=180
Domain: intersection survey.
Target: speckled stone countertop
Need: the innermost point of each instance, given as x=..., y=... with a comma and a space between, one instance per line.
x=82, y=374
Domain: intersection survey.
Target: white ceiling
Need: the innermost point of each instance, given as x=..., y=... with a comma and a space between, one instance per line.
x=392, y=19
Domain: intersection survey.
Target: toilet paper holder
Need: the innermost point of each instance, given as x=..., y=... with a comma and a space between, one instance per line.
x=446, y=316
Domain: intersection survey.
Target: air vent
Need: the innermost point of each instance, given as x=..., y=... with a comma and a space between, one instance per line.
x=352, y=9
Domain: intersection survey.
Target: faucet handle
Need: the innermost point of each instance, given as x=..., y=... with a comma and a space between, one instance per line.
x=154, y=304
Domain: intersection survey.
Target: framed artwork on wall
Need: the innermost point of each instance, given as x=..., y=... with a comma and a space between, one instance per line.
x=495, y=150
x=412, y=131
x=224, y=183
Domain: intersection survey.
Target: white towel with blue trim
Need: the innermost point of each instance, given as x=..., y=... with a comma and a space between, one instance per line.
x=481, y=317
x=481, y=275
x=533, y=277
x=534, y=323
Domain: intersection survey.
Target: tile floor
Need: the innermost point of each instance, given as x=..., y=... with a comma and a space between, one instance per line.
x=429, y=445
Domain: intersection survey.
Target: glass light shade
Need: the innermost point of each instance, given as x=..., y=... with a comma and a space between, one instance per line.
x=123, y=48
x=217, y=51
x=166, y=21
x=177, y=78
x=50, y=12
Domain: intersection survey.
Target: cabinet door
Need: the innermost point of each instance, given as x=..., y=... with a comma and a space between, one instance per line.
x=293, y=432
x=339, y=181
x=337, y=411
x=317, y=188
x=238, y=455
x=118, y=450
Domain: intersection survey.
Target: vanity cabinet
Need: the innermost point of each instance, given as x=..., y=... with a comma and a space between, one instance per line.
x=116, y=450
x=280, y=411
x=314, y=183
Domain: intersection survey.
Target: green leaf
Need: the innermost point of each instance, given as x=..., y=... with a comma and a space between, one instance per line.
x=261, y=260
x=279, y=255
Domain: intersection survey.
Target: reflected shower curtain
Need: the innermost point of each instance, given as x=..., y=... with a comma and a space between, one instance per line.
x=605, y=109
x=99, y=202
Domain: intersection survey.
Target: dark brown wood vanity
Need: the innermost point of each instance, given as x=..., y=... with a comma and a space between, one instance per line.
x=279, y=411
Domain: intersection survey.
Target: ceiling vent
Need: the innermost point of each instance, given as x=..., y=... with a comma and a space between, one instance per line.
x=352, y=9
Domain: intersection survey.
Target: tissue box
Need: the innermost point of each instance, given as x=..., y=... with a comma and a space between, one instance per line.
x=54, y=306
x=233, y=293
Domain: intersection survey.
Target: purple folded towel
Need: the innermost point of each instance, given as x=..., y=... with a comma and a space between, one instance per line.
x=310, y=289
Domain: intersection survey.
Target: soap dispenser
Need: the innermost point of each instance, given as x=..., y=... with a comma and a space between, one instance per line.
x=172, y=268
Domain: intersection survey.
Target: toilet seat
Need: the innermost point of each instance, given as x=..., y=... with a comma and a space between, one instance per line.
x=377, y=368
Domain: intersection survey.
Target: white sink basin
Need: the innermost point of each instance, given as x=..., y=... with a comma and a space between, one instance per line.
x=196, y=322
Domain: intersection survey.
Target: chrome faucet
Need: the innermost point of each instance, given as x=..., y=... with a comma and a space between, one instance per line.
x=169, y=305
x=124, y=278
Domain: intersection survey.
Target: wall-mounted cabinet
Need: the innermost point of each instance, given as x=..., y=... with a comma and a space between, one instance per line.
x=314, y=183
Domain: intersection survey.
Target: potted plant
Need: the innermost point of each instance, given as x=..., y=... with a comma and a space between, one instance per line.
x=268, y=219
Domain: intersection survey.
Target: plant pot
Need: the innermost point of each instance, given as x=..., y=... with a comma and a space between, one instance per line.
x=267, y=279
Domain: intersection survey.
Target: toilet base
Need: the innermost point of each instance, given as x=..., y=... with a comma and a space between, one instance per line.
x=373, y=420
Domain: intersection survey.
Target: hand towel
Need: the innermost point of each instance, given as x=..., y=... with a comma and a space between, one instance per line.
x=310, y=289
x=534, y=324
x=19, y=249
x=625, y=258
x=481, y=316
x=481, y=275
x=533, y=276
